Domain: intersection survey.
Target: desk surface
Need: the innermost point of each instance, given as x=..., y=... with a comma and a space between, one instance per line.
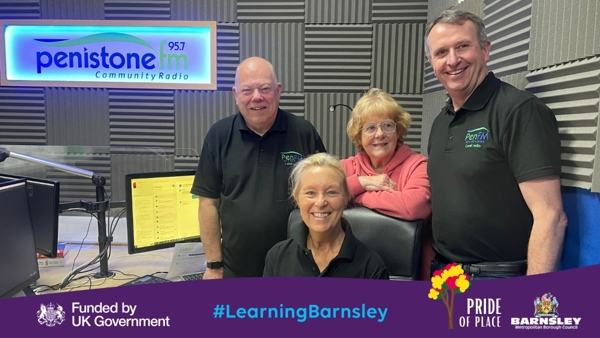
x=125, y=266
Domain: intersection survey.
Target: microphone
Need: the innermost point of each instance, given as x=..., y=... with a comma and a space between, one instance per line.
x=333, y=106
x=4, y=154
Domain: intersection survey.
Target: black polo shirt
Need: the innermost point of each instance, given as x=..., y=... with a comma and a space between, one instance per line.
x=478, y=155
x=249, y=174
x=291, y=258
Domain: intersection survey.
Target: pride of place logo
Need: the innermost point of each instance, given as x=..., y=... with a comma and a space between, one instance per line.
x=50, y=315
x=447, y=283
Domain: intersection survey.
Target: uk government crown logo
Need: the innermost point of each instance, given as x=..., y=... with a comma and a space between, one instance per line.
x=546, y=306
x=50, y=315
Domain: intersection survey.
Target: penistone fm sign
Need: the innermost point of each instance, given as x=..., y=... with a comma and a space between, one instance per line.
x=109, y=54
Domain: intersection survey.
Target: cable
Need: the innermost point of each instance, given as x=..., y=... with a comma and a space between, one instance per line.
x=70, y=276
x=115, y=220
x=81, y=210
x=156, y=273
x=47, y=288
x=88, y=280
x=134, y=276
x=113, y=226
x=126, y=274
x=81, y=244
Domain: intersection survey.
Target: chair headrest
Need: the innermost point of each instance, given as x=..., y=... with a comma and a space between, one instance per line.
x=397, y=241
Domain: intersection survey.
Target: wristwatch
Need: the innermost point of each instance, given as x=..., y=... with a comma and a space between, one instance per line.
x=214, y=264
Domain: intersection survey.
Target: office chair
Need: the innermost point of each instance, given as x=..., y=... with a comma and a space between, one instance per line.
x=397, y=241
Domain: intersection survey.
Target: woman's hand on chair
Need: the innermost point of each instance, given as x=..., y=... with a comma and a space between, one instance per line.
x=378, y=182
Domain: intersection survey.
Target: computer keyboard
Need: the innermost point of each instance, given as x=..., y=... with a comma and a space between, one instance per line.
x=148, y=279
x=193, y=276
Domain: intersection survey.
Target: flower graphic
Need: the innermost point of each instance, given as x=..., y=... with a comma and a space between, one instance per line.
x=447, y=283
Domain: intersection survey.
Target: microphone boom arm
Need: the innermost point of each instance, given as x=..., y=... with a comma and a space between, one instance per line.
x=100, y=206
x=47, y=163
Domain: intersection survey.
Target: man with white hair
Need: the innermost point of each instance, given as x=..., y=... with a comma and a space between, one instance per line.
x=243, y=171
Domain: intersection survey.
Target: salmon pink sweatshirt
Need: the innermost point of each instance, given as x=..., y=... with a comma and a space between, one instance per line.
x=411, y=199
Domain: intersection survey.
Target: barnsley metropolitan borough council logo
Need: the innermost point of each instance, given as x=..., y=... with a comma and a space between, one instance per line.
x=545, y=316
x=546, y=306
x=50, y=314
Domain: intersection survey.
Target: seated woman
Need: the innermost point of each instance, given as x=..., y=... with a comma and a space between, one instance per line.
x=386, y=175
x=324, y=246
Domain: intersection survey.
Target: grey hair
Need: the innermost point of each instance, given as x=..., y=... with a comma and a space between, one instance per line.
x=458, y=17
x=317, y=160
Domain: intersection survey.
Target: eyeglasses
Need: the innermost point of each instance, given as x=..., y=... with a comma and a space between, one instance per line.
x=387, y=127
x=249, y=91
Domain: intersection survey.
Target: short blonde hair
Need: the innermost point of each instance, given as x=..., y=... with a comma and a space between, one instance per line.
x=377, y=102
x=317, y=160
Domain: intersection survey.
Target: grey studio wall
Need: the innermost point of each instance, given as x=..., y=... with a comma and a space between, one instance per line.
x=324, y=52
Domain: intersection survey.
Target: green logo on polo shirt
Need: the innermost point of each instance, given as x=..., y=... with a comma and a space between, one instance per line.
x=475, y=138
x=291, y=157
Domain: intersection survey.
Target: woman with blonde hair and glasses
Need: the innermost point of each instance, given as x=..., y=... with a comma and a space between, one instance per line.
x=386, y=175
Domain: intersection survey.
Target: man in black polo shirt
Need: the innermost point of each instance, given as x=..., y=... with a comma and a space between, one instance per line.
x=494, y=162
x=242, y=175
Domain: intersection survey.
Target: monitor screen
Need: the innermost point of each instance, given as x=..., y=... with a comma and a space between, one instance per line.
x=44, y=200
x=18, y=261
x=161, y=211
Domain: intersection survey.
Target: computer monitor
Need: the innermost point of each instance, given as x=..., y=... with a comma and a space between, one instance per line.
x=18, y=261
x=161, y=211
x=44, y=201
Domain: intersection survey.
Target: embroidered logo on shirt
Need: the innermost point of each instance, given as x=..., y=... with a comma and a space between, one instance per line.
x=291, y=157
x=475, y=138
